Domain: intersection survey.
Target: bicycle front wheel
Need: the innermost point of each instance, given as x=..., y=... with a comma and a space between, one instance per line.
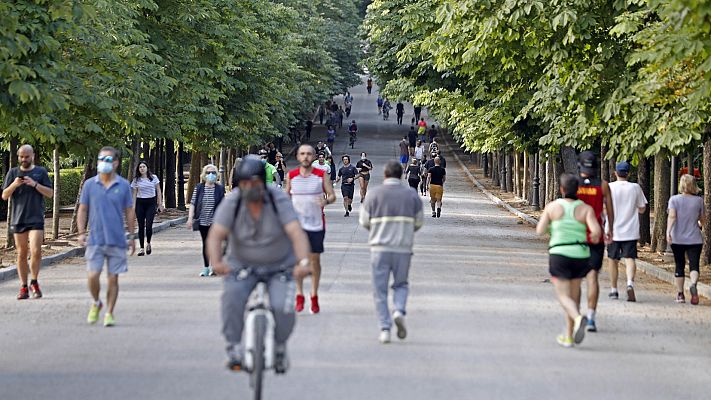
x=257, y=376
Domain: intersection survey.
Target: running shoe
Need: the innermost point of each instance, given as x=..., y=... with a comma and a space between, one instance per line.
x=315, y=309
x=205, y=271
x=565, y=341
x=591, y=326
x=613, y=295
x=109, y=320
x=300, y=299
x=281, y=360
x=579, y=328
x=350, y=208
x=439, y=212
x=680, y=298
x=384, y=336
x=24, y=293
x=234, y=359
x=35, y=289
x=346, y=214
x=399, y=319
x=434, y=214
x=211, y=272
x=149, y=250
x=140, y=252
x=694, y=295
x=94, y=313
x=630, y=294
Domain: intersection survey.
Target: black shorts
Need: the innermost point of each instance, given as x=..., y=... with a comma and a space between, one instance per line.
x=316, y=240
x=597, y=253
x=568, y=268
x=347, y=190
x=366, y=177
x=620, y=250
x=22, y=228
x=413, y=144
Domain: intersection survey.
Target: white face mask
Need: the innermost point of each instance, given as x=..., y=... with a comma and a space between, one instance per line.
x=104, y=167
x=362, y=157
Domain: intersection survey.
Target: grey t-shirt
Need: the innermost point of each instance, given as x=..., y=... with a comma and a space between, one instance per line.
x=688, y=211
x=27, y=202
x=261, y=243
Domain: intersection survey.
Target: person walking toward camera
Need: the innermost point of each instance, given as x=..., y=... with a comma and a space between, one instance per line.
x=147, y=199
x=27, y=186
x=206, y=197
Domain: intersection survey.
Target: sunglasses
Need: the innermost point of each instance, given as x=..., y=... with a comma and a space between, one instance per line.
x=211, y=172
x=105, y=158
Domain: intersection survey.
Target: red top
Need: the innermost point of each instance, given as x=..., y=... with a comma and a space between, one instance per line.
x=590, y=192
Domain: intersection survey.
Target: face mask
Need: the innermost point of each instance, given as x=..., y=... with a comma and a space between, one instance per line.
x=252, y=194
x=211, y=178
x=362, y=157
x=104, y=167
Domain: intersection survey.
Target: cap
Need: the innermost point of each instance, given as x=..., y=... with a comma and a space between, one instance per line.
x=622, y=168
x=586, y=163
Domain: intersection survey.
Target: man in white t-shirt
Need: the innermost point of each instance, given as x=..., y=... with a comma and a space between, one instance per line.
x=628, y=202
x=322, y=164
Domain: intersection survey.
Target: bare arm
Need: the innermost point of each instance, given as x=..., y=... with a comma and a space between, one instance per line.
x=7, y=193
x=159, y=196
x=302, y=247
x=328, y=189
x=608, y=207
x=671, y=221
x=216, y=236
x=544, y=222
x=593, y=225
x=287, y=185
x=81, y=223
x=131, y=222
x=135, y=195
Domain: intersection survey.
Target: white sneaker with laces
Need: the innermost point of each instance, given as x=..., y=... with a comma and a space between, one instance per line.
x=384, y=336
x=399, y=319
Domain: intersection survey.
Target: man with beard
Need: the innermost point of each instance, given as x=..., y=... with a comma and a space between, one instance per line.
x=348, y=173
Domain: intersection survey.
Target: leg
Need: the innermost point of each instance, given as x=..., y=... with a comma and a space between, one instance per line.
x=694, y=253
x=94, y=284
x=112, y=292
x=315, y=272
x=400, y=286
x=563, y=289
x=234, y=299
x=141, y=217
x=117, y=263
x=36, y=238
x=593, y=290
x=613, y=273
x=203, y=234
x=150, y=215
x=22, y=243
x=379, y=262
x=281, y=299
x=679, y=263
x=631, y=269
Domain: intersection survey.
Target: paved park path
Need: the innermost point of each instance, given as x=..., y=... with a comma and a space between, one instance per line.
x=482, y=320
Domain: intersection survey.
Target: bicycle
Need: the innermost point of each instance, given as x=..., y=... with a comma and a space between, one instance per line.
x=259, y=340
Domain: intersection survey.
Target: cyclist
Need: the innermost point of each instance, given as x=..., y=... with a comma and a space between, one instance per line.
x=264, y=241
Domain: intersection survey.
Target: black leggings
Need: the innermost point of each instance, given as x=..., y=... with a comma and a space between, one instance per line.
x=680, y=250
x=145, y=212
x=203, y=234
x=413, y=183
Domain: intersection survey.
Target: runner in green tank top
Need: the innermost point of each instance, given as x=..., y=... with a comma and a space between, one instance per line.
x=569, y=219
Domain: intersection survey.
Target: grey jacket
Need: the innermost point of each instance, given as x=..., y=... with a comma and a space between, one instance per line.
x=392, y=213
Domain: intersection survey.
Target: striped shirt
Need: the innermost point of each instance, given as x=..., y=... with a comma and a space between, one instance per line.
x=146, y=188
x=306, y=194
x=208, y=204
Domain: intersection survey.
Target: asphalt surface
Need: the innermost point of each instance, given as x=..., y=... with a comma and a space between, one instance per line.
x=482, y=319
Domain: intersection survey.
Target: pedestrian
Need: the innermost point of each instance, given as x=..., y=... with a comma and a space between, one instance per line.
x=310, y=190
x=420, y=154
x=364, y=166
x=369, y=85
x=349, y=107
x=330, y=136
x=418, y=111
x=271, y=153
x=595, y=192
x=271, y=171
x=413, y=174
x=322, y=148
x=434, y=146
x=334, y=170
x=147, y=199
x=309, y=128
x=340, y=114
x=107, y=203
x=422, y=130
x=321, y=114
x=206, y=197
x=628, y=202
x=280, y=168
x=412, y=140
x=432, y=134
x=348, y=173
x=400, y=111
x=379, y=101
x=27, y=185
x=686, y=217
x=392, y=214
x=322, y=164
x=436, y=176
x=404, y=152
x=569, y=220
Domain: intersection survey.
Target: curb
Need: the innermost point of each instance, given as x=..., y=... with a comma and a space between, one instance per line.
x=649, y=269
x=11, y=271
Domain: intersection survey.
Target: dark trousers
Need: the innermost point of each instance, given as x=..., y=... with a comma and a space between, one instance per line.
x=680, y=251
x=203, y=234
x=145, y=213
x=399, y=119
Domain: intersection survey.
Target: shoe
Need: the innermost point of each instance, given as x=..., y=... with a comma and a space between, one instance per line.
x=350, y=208
x=565, y=341
x=630, y=294
x=384, y=336
x=109, y=320
x=439, y=212
x=140, y=252
x=24, y=293
x=680, y=298
x=694, y=295
x=211, y=272
x=234, y=359
x=399, y=319
x=434, y=214
x=346, y=214
x=299, y=303
x=148, y=249
x=36, y=292
x=613, y=295
x=205, y=271
x=94, y=313
x=591, y=326
x=281, y=360
x=314, y=305
x=579, y=328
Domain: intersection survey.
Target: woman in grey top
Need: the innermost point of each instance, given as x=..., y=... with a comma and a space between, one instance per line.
x=206, y=196
x=686, y=217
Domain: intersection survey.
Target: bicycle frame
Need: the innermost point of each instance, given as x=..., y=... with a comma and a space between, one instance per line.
x=258, y=310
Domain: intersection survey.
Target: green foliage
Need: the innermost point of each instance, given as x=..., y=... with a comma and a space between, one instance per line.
x=69, y=181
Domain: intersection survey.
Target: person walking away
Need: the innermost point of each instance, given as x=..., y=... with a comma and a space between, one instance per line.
x=340, y=114
x=265, y=243
x=308, y=129
x=330, y=136
x=594, y=192
x=432, y=134
x=364, y=166
x=418, y=111
x=386, y=109
x=685, y=218
x=392, y=214
x=569, y=220
x=422, y=130
x=400, y=111
x=436, y=176
x=207, y=195
x=321, y=114
x=369, y=85
x=107, y=203
x=434, y=146
x=280, y=168
x=404, y=152
x=147, y=199
x=628, y=202
x=420, y=154
x=425, y=168
x=413, y=174
x=310, y=191
x=412, y=140
x=27, y=185
x=333, y=172
x=348, y=173
x=379, y=101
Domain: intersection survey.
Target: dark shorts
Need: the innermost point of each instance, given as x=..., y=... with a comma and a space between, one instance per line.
x=366, y=177
x=413, y=144
x=597, y=253
x=620, y=250
x=22, y=228
x=316, y=240
x=568, y=268
x=347, y=190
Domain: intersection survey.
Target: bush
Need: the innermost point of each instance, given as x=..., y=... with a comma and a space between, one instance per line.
x=69, y=181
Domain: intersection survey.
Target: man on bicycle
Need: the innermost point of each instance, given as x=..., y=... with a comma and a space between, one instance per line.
x=265, y=243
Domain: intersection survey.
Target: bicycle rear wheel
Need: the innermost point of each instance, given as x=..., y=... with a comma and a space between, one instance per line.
x=257, y=376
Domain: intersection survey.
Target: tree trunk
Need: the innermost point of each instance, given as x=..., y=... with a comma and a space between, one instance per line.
x=89, y=171
x=196, y=163
x=645, y=236
x=662, y=174
x=569, y=159
x=55, y=198
x=550, y=179
x=604, y=165
x=495, y=169
x=169, y=182
x=135, y=158
x=517, y=174
x=180, y=177
x=526, y=177
x=706, y=255
x=510, y=172
x=12, y=163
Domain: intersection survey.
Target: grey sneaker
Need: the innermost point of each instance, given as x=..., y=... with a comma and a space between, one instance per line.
x=281, y=360
x=234, y=358
x=399, y=319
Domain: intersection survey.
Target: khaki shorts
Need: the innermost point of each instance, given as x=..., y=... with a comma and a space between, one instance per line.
x=436, y=192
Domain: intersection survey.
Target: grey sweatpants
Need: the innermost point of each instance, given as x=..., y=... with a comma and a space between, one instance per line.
x=236, y=292
x=383, y=264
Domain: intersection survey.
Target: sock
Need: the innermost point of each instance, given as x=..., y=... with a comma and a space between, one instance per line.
x=24, y=286
x=591, y=315
x=630, y=283
x=613, y=290
x=33, y=282
x=97, y=303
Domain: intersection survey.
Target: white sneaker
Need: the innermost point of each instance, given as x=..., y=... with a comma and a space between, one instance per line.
x=399, y=320
x=384, y=336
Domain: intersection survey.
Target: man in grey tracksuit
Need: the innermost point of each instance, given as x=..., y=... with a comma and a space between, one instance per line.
x=392, y=213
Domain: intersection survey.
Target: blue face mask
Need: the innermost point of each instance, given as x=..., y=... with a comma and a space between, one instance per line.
x=104, y=167
x=211, y=178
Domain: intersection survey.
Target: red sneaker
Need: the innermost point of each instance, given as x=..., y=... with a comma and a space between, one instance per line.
x=694, y=295
x=24, y=294
x=314, y=305
x=36, y=292
x=300, y=299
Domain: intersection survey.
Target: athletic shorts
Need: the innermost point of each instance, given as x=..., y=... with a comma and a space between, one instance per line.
x=413, y=144
x=316, y=240
x=404, y=158
x=22, y=228
x=347, y=190
x=436, y=192
x=366, y=177
x=597, y=253
x=620, y=250
x=115, y=257
x=568, y=268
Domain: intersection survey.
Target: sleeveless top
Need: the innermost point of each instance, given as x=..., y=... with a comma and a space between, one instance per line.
x=590, y=192
x=306, y=194
x=568, y=235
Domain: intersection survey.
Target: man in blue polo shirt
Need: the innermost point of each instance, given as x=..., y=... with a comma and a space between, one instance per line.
x=107, y=199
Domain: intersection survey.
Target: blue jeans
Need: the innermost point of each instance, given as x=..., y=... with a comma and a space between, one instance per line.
x=383, y=264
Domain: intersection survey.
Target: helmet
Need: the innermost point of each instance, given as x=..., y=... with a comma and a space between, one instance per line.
x=251, y=166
